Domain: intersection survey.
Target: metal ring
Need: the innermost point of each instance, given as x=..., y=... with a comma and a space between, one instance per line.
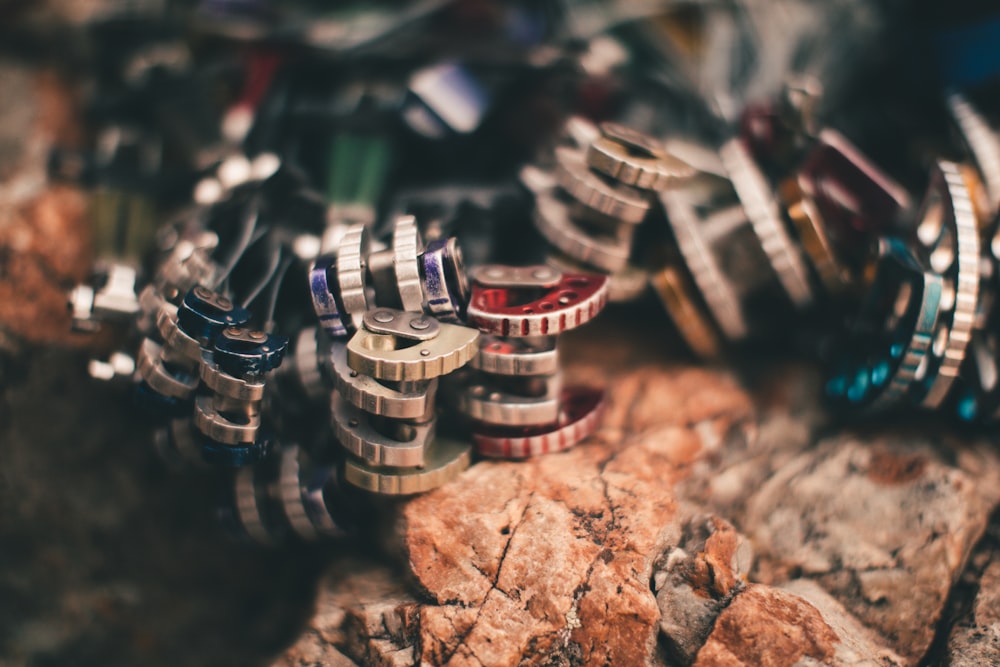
x=446, y=459
x=881, y=361
x=332, y=316
x=612, y=199
x=155, y=374
x=216, y=427
x=576, y=299
x=765, y=217
x=553, y=221
x=580, y=416
x=358, y=436
x=406, y=247
x=352, y=256
x=517, y=356
x=486, y=405
x=635, y=159
x=949, y=230
x=372, y=396
x=722, y=300
x=227, y=385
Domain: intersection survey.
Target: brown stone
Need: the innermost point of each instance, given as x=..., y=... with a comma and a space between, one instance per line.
x=42, y=255
x=856, y=644
x=312, y=651
x=975, y=639
x=549, y=561
x=44, y=234
x=767, y=627
x=794, y=625
x=366, y=612
x=695, y=580
x=736, y=463
x=884, y=524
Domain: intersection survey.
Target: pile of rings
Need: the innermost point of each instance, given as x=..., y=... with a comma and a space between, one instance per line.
x=339, y=266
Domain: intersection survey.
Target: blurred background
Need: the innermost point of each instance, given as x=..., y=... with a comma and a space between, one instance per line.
x=113, y=111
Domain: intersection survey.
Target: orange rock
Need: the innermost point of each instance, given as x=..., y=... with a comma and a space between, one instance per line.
x=767, y=627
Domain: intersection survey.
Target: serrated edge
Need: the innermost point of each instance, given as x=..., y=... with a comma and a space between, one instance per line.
x=290, y=494
x=967, y=259
x=522, y=447
x=406, y=248
x=611, y=158
x=566, y=236
x=916, y=349
x=342, y=411
x=540, y=324
x=765, y=219
x=385, y=482
x=722, y=300
x=539, y=410
x=983, y=141
x=213, y=425
x=575, y=177
x=351, y=269
x=380, y=405
x=428, y=368
x=511, y=364
x=248, y=508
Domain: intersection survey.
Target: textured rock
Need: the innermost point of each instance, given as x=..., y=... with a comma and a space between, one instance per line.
x=605, y=554
x=739, y=461
x=771, y=627
x=856, y=644
x=884, y=525
x=601, y=555
x=38, y=266
x=767, y=626
x=44, y=235
x=365, y=610
x=695, y=580
x=549, y=561
x=975, y=639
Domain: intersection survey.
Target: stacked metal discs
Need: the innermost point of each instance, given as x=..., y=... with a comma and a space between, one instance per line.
x=743, y=268
x=924, y=335
x=287, y=496
x=515, y=398
x=737, y=259
x=234, y=374
x=353, y=162
x=601, y=188
x=203, y=344
x=386, y=375
x=384, y=410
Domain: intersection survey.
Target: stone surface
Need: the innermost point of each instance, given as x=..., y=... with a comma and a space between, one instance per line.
x=766, y=626
x=885, y=525
x=975, y=638
x=364, y=609
x=695, y=580
x=549, y=561
x=635, y=548
x=44, y=233
x=856, y=644
x=774, y=627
